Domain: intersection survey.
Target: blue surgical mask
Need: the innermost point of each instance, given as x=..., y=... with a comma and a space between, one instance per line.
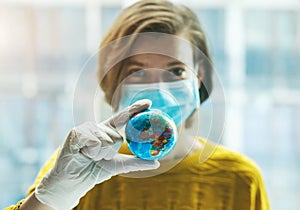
x=178, y=99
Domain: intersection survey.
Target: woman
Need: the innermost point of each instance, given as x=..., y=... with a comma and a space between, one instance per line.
x=82, y=174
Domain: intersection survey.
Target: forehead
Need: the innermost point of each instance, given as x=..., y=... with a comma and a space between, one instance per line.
x=161, y=50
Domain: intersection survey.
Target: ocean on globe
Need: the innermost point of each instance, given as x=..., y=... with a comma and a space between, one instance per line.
x=151, y=134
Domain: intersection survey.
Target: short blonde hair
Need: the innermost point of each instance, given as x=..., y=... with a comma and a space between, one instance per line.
x=154, y=16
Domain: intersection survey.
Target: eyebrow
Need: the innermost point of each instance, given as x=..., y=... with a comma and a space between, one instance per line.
x=175, y=63
x=135, y=63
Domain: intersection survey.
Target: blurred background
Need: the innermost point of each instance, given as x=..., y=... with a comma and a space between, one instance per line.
x=255, y=46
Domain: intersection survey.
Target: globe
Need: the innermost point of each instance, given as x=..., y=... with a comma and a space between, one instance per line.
x=151, y=134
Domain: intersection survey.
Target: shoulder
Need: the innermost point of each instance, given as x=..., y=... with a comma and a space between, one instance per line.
x=247, y=175
x=230, y=161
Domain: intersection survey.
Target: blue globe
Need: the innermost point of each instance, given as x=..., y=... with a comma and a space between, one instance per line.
x=151, y=134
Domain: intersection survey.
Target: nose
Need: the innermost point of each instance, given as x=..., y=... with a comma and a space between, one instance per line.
x=154, y=75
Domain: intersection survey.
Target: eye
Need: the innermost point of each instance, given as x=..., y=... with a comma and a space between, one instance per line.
x=178, y=71
x=137, y=72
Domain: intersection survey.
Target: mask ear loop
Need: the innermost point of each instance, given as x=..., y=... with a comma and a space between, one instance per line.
x=198, y=75
x=195, y=71
x=188, y=127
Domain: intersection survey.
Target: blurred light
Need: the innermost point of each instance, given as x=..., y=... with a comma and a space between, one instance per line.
x=29, y=85
x=29, y=155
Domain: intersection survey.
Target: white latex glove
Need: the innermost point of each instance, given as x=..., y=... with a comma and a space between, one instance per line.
x=88, y=157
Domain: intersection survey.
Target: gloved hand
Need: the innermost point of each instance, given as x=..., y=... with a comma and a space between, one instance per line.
x=88, y=157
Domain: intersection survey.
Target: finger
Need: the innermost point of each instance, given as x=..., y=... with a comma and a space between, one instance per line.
x=93, y=150
x=109, y=148
x=101, y=146
x=128, y=163
x=111, y=151
x=121, y=118
x=85, y=135
x=106, y=153
x=101, y=131
x=109, y=131
x=91, y=141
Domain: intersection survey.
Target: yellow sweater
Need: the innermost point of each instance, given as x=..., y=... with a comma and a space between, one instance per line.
x=227, y=181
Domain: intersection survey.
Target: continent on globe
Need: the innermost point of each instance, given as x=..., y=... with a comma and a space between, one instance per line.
x=151, y=134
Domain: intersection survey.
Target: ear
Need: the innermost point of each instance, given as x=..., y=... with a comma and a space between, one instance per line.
x=200, y=71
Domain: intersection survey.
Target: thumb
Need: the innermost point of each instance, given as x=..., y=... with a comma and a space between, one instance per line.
x=128, y=163
x=121, y=118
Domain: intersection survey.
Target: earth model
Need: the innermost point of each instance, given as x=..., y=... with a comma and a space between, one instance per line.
x=151, y=134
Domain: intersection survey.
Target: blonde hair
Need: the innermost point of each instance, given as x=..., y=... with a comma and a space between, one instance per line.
x=154, y=16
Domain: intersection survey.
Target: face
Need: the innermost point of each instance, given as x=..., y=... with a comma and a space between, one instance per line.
x=163, y=71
